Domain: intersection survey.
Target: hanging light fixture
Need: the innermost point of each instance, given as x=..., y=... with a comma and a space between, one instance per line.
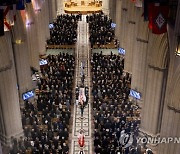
x=178, y=46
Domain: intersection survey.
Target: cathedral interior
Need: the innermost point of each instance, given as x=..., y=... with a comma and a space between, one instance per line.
x=89, y=76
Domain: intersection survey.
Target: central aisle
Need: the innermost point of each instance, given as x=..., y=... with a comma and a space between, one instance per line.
x=82, y=54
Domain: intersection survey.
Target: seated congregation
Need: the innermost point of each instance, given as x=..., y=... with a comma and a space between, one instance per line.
x=114, y=113
x=46, y=121
x=101, y=32
x=64, y=30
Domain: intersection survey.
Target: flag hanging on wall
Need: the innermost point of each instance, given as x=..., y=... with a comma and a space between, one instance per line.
x=158, y=15
x=7, y=25
x=9, y=13
x=5, y=6
x=20, y=5
x=146, y=4
x=1, y=22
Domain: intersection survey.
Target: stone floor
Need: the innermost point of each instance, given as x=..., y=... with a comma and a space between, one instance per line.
x=82, y=53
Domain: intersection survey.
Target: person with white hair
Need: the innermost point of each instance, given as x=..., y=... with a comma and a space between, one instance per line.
x=148, y=151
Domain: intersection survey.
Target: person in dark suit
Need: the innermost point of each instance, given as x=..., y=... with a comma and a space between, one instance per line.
x=64, y=30
x=46, y=121
x=101, y=32
x=111, y=105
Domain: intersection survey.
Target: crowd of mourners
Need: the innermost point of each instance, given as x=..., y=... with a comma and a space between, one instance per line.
x=101, y=32
x=46, y=122
x=114, y=114
x=64, y=30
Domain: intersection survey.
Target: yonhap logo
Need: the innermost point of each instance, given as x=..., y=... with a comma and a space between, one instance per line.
x=158, y=140
x=126, y=140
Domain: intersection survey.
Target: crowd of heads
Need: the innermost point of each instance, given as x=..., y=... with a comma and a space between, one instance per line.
x=114, y=114
x=46, y=121
x=101, y=32
x=64, y=31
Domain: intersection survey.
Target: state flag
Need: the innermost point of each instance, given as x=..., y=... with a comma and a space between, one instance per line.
x=158, y=15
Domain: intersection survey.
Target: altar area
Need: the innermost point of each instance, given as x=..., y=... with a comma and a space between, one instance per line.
x=82, y=6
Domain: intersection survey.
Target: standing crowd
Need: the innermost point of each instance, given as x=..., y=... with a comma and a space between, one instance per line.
x=100, y=29
x=64, y=30
x=114, y=114
x=46, y=121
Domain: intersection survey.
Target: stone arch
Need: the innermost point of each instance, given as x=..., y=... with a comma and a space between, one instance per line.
x=163, y=52
x=159, y=47
x=174, y=93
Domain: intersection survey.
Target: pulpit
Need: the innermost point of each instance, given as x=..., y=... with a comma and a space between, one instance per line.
x=82, y=6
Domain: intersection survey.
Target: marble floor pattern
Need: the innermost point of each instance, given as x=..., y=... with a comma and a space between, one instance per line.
x=82, y=53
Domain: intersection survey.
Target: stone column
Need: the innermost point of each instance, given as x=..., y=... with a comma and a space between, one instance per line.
x=171, y=112
x=32, y=38
x=46, y=20
x=2, y=127
x=60, y=6
x=112, y=10
x=52, y=10
x=130, y=35
x=1, y=148
x=9, y=98
x=170, y=128
x=153, y=104
x=155, y=83
x=139, y=64
x=118, y=18
x=123, y=22
x=21, y=56
x=40, y=16
x=105, y=7
x=152, y=101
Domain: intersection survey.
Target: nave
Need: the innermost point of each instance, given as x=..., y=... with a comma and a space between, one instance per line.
x=82, y=103
x=89, y=76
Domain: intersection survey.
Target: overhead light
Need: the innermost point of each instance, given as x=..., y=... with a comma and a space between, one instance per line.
x=19, y=41
x=178, y=46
